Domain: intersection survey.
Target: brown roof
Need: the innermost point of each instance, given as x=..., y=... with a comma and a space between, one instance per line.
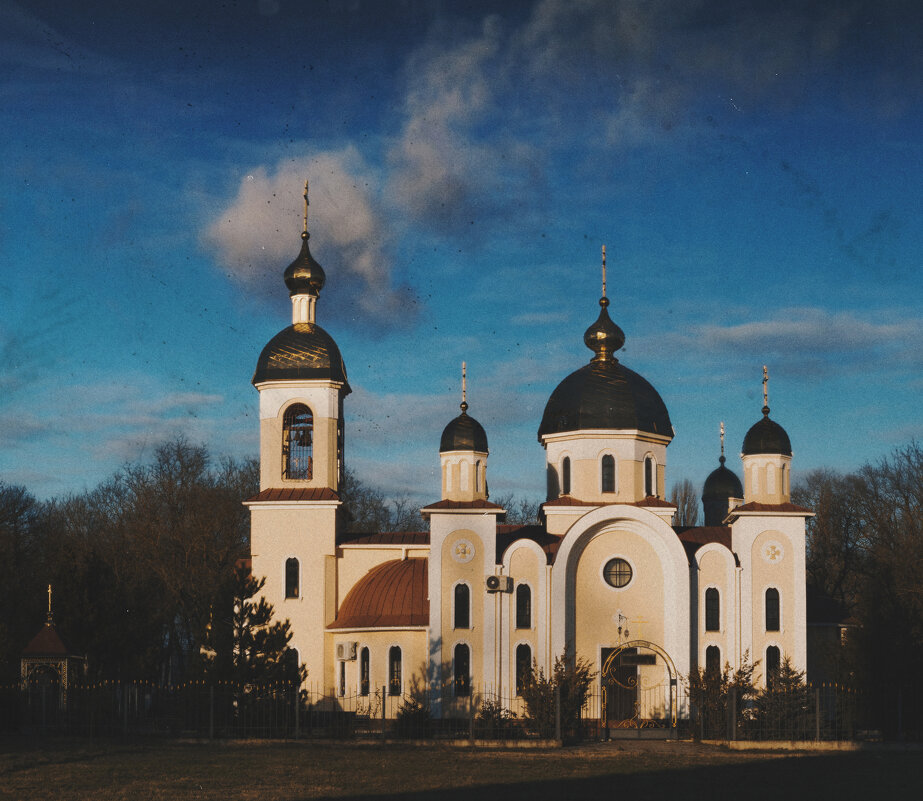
x=391, y=595
x=419, y=538
x=479, y=504
x=695, y=537
x=567, y=500
x=295, y=494
x=650, y=500
x=507, y=534
x=46, y=643
x=753, y=506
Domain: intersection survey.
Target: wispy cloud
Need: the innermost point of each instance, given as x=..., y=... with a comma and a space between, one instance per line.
x=257, y=235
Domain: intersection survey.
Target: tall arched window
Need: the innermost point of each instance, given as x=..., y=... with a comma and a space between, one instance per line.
x=462, y=664
x=364, y=672
x=523, y=667
x=462, y=606
x=523, y=607
x=297, y=442
x=341, y=689
x=712, y=610
x=650, y=476
x=608, y=473
x=773, y=660
x=478, y=477
x=565, y=476
x=772, y=609
x=291, y=577
x=712, y=660
x=394, y=670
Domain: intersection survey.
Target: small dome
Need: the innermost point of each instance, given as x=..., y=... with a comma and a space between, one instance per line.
x=464, y=433
x=393, y=594
x=767, y=436
x=301, y=351
x=604, y=337
x=604, y=394
x=305, y=276
x=722, y=483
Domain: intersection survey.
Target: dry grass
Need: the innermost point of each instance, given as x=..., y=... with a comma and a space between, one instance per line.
x=272, y=771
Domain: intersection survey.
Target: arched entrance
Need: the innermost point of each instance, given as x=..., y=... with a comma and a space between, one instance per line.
x=638, y=687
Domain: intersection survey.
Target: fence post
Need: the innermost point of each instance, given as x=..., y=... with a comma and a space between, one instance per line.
x=732, y=714
x=384, y=701
x=124, y=709
x=557, y=713
x=817, y=713
x=297, y=711
x=211, y=712
x=470, y=716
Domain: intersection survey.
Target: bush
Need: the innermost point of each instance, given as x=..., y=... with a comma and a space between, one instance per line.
x=571, y=679
x=495, y=722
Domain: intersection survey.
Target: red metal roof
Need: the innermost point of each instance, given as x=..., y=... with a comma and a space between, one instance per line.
x=295, y=494
x=567, y=500
x=411, y=538
x=650, y=500
x=393, y=594
x=507, y=534
x=753, y=506
x=46, y=643
x=479, y=504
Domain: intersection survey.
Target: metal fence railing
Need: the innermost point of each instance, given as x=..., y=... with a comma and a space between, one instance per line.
x=194, y=709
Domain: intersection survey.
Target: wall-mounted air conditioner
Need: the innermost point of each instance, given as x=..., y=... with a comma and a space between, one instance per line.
x=499, y=584
x=346, y=651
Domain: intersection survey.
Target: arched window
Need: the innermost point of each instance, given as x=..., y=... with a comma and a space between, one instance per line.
x=712, y=610
x=291, y=577
x=523, y=667
x=772, y=609
x=650, y=477
x=565, y=476
x=364, y=672
x=297, y=442
x=523, y=607
x=712, y=660
x=462, y=664
x=394, y=670
x=478, y=477
x=773, y=660
x=462, y=606
x=608, y=473
x=341, y=690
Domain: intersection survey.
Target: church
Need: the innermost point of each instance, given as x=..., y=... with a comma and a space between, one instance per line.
x=469, y=606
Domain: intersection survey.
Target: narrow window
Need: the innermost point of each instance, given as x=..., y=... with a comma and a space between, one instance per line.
x=394, y=671
x=649, y=483
x=712, y=660
x=291, y=577
x=364, y=672
x=565, y=476
x=297, y=442
x=552, y=483
x=462, y=671
x=772, y=609
x=608, y=473
x=523, y=667
x=342, y=679
x=478, y=478
x=712, y=610
x=772, y=665
x=462, y=606
x=523, y=607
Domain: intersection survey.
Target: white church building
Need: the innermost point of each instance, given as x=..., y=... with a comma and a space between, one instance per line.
x=474, y=602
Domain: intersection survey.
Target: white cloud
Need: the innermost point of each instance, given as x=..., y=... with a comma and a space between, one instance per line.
x=257, y=235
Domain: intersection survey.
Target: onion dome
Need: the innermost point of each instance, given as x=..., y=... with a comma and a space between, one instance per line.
x=766, y=436
x=604, y=394
x=464, y=433
x=305, y=276
x=720, y=485
x=391, y=595
x=301, y=351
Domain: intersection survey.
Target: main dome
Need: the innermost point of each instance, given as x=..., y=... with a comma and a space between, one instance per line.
x=301, y=351
x=605, y=395
x=767, y=436
x=464, y=433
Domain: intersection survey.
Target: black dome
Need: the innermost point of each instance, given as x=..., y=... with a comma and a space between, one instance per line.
x=767, y=436
x=301, y=351
x=722, y=483
x=605, y=394
x=464, y=433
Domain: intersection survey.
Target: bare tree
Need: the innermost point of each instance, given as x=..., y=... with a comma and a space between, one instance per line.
x=686, y=498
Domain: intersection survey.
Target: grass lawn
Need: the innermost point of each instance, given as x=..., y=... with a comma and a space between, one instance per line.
x=268, y=771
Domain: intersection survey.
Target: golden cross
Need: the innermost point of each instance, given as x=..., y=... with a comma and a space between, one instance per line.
x=604, y=271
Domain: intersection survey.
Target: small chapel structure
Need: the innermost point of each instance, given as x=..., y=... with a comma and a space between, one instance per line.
x=474, y=602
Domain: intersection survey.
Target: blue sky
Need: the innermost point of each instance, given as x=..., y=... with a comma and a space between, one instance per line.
x=753, y=168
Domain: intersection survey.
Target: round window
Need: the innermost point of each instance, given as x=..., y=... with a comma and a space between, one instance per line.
x=617, y=572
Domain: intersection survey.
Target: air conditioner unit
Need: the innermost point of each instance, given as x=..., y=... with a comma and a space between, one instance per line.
x=346, y=651
x=499, y=584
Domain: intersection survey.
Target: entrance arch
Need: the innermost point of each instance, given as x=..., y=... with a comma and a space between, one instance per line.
x=638, y=680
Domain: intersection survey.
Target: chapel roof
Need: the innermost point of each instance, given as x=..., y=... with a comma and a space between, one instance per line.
x=294, y=494
x=47, y=643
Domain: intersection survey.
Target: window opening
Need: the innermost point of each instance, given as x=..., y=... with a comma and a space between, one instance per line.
x=523, y=667
x=712, y=610
x=462, y=606
x=772, y=609
x=394, y=671
x=291, y=577
x=297, y=442
x=617, y=573
x=364, y=672
x=565, y=476
x=462, y=670
x=523, y=607
x=608, y=473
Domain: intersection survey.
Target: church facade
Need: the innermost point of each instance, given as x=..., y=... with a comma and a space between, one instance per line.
x=474, y=602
